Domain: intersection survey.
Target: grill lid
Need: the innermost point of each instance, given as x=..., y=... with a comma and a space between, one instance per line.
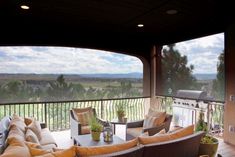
x=193, y=94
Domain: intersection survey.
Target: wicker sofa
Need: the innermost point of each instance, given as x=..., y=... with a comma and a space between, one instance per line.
x=11, y=130
x=183, y=147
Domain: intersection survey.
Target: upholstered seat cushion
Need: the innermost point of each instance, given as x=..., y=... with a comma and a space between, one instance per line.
x=85, y=129
x=46, y=137
x=167, y=137
x=135, y=132
x=99, y=150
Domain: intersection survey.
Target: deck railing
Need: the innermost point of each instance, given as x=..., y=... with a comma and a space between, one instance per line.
x=56, y=114
x=215, y=113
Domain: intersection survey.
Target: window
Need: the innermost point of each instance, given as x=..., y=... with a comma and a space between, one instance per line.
x=29, y=74
x=194, y=65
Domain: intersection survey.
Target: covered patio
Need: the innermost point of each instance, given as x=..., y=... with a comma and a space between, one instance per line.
x=138, y=28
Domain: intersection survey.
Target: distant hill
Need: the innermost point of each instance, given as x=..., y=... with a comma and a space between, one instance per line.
x=205, y=76
x=5, y=76
x=104, y=75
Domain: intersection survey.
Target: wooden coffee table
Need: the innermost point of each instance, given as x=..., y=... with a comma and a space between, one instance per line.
x=85, y=140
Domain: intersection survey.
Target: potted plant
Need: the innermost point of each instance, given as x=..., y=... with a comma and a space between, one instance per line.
x=209, y=144
x=96, y=128
x=120, y=110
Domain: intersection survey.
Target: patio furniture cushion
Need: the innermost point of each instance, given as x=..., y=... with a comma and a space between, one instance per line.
x=84, y=117
x=99, y=150
x=16, y=151
x=80, y=110
x=85, y=129
x=36, y=128
x=47, y=137
x=16, y=133
x=70, y=152
x=17, y=121
x=154, y=119
x=28, y=120
x=31, y=137
x=167, y=137
x=135, y=132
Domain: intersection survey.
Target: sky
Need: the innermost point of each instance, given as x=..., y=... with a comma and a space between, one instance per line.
x=62, y=60
x=202, y=53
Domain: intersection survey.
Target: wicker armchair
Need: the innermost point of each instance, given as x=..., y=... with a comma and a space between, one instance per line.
x=134, y=129
x=77, y=128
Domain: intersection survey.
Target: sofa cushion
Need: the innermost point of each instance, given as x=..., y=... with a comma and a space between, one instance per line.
x=16, y=151
x=70, y=152
x=49, y=147
x=154, y=119
x=135, y=132
x=99, y=150
x=31, y=137
x=28, y=120
x=18, y=122
x=46, y=137
x=36, y=128
x=167, y=137
x=16, y=133
x=16, y=148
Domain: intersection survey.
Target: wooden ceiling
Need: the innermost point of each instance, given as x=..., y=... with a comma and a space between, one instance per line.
x=110, y=24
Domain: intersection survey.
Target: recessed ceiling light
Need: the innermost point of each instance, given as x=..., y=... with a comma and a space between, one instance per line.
x=24, y=7
x=172, y=11
x=140, y=25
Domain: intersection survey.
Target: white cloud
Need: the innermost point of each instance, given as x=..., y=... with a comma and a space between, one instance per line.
x=65, y=60
x=203, y=52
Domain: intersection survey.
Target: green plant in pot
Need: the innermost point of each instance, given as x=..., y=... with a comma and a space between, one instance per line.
x=120, y=110
x=96, y=128
x=209, y=144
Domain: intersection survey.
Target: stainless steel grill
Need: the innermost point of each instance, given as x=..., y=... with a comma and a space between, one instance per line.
x=187, y=104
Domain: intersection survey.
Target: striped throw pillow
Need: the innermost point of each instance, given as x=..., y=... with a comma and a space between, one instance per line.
x=84, y=117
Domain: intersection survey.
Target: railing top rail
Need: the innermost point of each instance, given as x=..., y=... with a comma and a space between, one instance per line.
x=207, y=101
x=67, y=101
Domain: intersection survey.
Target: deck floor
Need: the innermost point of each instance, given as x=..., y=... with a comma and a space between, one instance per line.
x=64, y=141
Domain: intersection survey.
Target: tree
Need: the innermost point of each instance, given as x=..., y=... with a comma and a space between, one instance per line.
x=60, y=90
x=175, y=72
x=219, y=83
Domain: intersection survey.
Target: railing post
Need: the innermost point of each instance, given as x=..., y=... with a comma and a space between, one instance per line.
x=208, y=116
x=102, y=109
x=45, y=115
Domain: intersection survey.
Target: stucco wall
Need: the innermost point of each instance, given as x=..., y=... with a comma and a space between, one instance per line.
x=229, y=115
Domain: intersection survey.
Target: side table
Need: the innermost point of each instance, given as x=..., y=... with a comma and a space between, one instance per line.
x=115, y=122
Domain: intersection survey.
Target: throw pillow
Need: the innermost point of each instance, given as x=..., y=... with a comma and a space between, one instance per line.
x=84, y=117
x=107, y=149
x=149, y=122
x=36, y=128
x=81, y=110
x=17, y=121
x=154, y=119
x=167, y=137
x=28, y=120
x=31, y=137
x=17, y=133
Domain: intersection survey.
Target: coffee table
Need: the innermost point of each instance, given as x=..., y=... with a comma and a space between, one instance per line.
x=85, y=140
